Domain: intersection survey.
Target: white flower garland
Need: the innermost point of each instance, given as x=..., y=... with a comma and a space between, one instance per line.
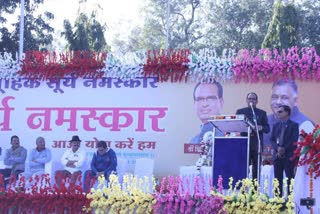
x=206, y=66
x=8, y=66
x=116, y=69
x=206, y=151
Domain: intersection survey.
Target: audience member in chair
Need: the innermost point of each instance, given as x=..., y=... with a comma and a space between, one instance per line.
x=14, y=159
x=104, y=162
x=72, y=160
x=38, y=157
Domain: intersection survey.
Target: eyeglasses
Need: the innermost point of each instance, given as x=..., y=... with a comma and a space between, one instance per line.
x=208, y=99
x=275, y=97
x=252, y=98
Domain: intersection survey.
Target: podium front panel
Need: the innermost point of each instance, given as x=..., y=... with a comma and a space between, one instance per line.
x=230, y=159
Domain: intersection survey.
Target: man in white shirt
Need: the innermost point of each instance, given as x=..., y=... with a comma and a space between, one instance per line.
x=72, y=160
x=38, y=157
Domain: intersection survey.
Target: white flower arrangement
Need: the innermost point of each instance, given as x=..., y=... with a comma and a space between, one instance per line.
x=9, y=67
x=205, y=158
x=206, y=66
x=115, y=68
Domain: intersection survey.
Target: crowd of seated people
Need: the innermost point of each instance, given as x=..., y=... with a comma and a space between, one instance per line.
x=104, y=162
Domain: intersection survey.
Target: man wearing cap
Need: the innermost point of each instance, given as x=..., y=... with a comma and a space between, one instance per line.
x=72, y=160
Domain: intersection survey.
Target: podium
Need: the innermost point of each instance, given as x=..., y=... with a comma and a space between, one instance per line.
x=230, y=155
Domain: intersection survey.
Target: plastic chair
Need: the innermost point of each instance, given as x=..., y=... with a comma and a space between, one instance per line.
x=48, y=168
x=122, y=168
x=144, y=168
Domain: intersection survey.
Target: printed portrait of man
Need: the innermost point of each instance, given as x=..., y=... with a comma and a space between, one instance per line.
x=285, y=92
x=208, y=101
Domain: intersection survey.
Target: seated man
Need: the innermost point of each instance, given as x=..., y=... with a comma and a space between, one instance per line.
x=38, y=157
x=72, y=160
x=104, y=162
x=14, y=159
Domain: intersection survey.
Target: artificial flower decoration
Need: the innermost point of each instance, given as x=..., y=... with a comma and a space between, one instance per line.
x=207, y=66
x=115, y=68
x=128, y=197
x=46, y=65
x=268, y=65
x=169, y=65
x=37, y=196
x=9, y=66
x=205, y=158
x=243, y=198
x=174, y=196
x=309, y=151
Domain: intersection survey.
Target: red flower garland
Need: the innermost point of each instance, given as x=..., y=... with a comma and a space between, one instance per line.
x=309, y=150
x=167, y=65
x=42, y=198
x=46, y=65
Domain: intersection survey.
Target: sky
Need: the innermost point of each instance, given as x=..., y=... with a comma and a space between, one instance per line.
x=119, y=15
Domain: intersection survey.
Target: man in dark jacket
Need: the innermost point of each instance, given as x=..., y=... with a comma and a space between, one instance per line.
x=253, y=114
x=283, y=136
x=104, y=162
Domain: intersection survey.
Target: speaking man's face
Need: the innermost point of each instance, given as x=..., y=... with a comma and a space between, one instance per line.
x=207, y=102
x=283, y=95
x=252, y=98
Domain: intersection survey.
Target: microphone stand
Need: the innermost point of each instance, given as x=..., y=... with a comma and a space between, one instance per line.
x=215, y=126
x=259, y=142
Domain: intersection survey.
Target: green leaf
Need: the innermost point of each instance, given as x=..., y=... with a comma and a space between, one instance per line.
x=316, y=134
x=305, y=149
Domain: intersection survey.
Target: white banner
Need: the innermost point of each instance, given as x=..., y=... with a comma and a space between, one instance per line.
x=138, y=118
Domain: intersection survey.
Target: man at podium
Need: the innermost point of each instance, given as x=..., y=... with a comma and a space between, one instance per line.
x=208, y=101
x=258, y=118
